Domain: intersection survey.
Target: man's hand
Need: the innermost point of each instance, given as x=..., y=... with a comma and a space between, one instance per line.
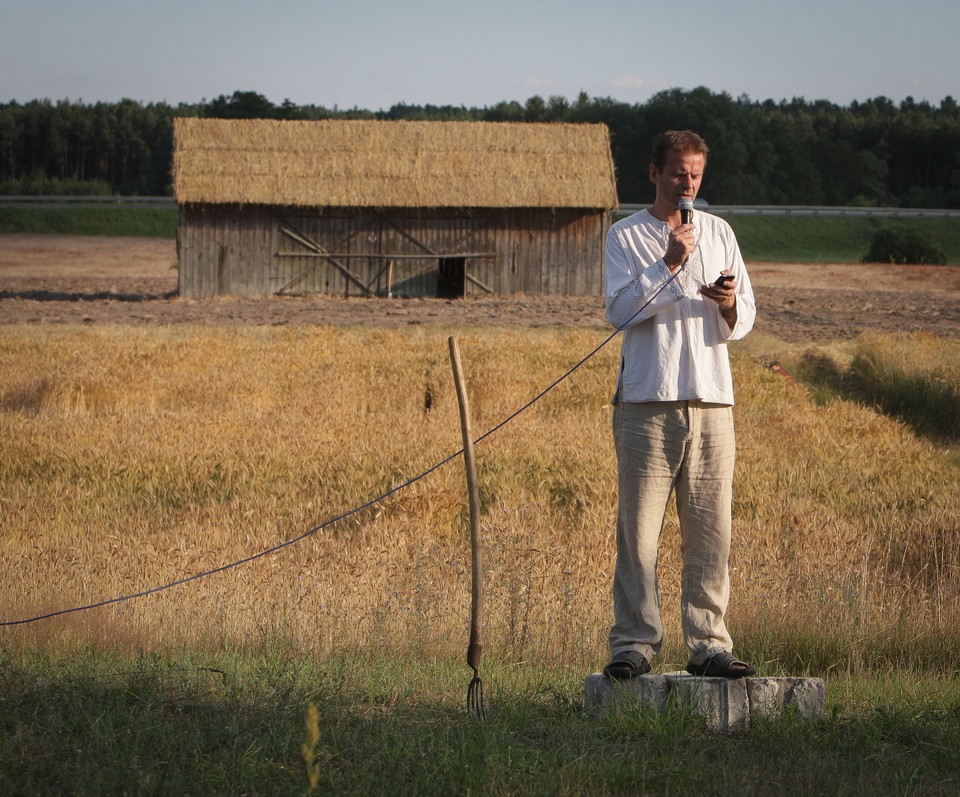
x=725, y=296
x=679, y=246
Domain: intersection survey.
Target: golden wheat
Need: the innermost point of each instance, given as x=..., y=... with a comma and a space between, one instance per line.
x=132, y=458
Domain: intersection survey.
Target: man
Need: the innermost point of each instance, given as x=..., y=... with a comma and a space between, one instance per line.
x=673, y=410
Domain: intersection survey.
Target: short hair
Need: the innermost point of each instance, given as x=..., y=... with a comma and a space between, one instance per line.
x=683, y=141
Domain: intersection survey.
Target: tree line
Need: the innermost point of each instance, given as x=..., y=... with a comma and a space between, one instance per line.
x=796, y=152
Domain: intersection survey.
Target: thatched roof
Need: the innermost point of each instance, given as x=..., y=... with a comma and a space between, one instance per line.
x=339, y=163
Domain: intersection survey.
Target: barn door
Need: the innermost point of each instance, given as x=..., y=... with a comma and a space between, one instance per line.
x=434, y=253
x=367, y=253
x=451, y=277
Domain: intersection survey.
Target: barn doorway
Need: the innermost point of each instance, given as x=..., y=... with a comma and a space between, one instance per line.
x=451, y=278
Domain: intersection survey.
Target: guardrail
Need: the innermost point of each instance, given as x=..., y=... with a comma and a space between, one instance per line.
x=85, y=200
x=810, y=210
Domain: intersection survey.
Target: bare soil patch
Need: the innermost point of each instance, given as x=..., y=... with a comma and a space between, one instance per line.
x=84, y=280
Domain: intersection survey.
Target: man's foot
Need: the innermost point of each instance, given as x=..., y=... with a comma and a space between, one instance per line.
x=627, y=665
x=722, y=665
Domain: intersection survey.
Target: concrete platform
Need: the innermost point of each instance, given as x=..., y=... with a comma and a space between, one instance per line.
x=726, y=704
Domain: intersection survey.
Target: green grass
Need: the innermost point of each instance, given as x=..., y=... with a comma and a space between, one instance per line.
x=236, y=722
x=126, y=220
x=830, y=240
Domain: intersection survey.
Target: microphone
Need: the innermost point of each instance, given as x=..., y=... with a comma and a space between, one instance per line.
x=686, y=210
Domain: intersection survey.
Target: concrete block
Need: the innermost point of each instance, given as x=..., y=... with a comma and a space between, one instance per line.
x=726, y=704
x=646, y=690
x=722, y=702
x=769, y=696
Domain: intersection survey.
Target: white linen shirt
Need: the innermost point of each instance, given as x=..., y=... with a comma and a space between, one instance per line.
x=676, y=348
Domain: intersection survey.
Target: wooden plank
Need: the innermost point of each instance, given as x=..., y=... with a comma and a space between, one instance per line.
x=388, y=256
x=315, y=247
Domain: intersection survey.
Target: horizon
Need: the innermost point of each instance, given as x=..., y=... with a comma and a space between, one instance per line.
x=935, y=104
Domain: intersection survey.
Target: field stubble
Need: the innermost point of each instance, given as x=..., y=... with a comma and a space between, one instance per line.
x=134, y=457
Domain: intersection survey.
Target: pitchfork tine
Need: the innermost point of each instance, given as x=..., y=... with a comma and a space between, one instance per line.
x=475, y=697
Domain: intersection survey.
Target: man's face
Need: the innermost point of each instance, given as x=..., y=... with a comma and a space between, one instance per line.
x=680, y=177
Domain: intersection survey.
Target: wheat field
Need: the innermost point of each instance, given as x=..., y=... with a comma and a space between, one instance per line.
x=134, y=457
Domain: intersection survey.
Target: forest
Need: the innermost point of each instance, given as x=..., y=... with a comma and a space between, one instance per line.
x=872, y=153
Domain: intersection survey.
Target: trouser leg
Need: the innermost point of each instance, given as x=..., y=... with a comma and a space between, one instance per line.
x=704, y=494
x=648, y=438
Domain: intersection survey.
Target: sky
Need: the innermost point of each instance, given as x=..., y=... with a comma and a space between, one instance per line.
x=372, y=54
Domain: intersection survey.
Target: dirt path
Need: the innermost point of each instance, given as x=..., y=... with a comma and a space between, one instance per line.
x=74, y=280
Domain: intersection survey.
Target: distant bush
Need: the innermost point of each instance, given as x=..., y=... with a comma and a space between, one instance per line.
x=904, y=245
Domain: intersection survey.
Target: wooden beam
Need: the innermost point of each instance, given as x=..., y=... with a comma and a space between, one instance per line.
x=320, y=252
x=477, y=282
x=387, y=256
x=409, y=237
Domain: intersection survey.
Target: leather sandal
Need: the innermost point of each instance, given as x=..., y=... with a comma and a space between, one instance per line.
x=722, y=665
x=627, y=665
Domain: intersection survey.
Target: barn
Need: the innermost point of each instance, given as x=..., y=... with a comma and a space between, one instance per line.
x=386, y=208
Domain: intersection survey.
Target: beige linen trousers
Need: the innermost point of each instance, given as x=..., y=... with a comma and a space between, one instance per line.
x=688, y=447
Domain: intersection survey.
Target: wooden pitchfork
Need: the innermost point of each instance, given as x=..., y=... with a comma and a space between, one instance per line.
x=475, y=689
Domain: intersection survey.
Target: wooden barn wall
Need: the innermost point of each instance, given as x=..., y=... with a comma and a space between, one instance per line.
x=224, y=250
x=259, y=251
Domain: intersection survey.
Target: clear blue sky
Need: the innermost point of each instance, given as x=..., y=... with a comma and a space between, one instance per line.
x=372, y=54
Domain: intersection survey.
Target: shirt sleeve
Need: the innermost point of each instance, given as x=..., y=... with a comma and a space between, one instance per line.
x=632, y=282
x=746, y=303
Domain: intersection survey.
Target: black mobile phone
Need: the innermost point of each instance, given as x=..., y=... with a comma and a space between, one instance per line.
x=723, y=279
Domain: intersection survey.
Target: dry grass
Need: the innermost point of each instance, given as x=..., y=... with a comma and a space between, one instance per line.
x=366, y=163
x=135, y=457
